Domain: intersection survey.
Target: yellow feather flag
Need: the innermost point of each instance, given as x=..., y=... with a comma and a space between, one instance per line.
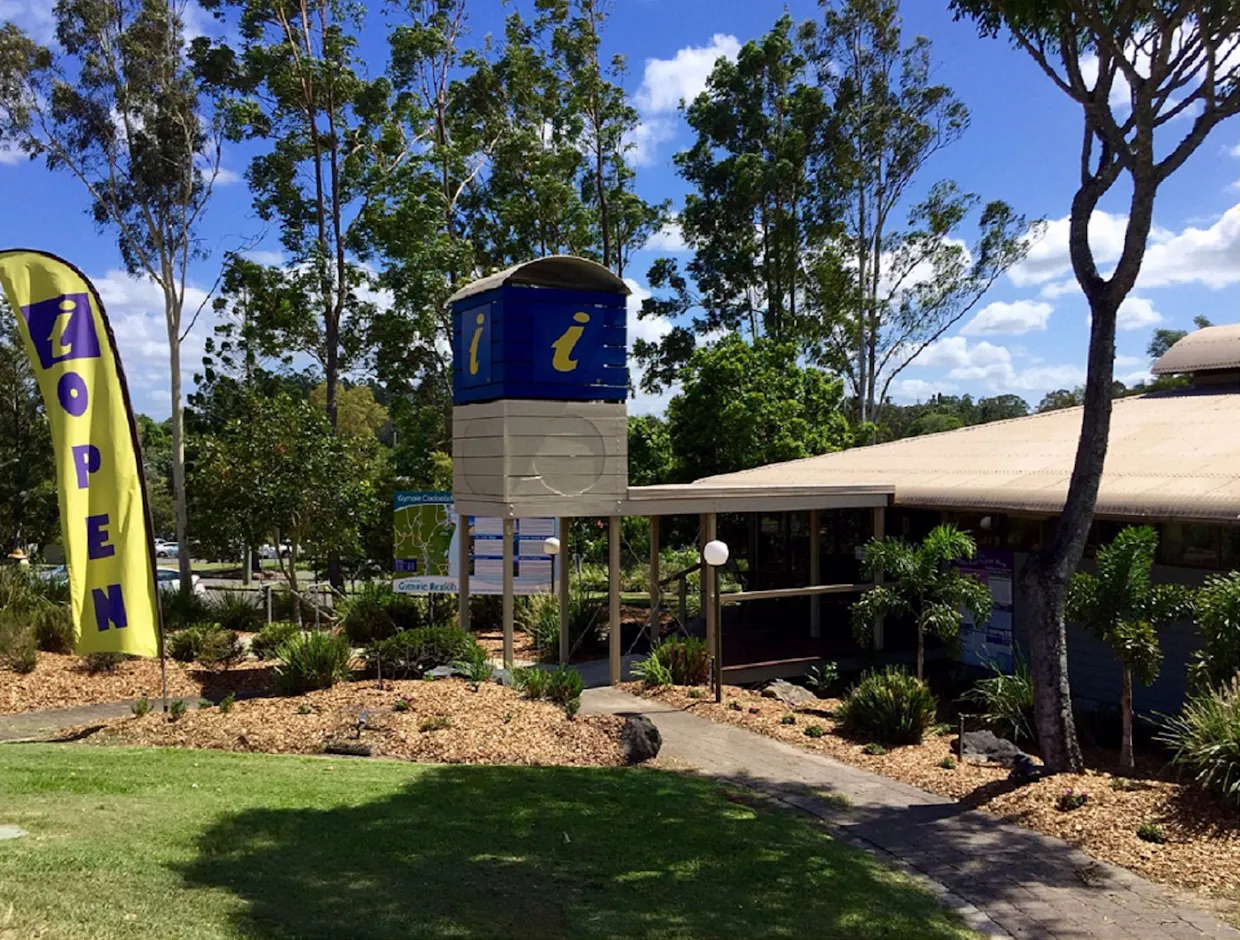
x=104, y=514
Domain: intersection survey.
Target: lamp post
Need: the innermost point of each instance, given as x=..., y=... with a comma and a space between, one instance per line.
x=715, y=553
x=551, y=548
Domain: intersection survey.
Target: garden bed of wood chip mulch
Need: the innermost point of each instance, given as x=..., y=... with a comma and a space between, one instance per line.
x=447, y=721
x=60, y=681
x=1202, y=851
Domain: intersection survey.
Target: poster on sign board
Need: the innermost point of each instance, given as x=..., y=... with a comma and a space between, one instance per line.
x=990, y=642
x=427, y=533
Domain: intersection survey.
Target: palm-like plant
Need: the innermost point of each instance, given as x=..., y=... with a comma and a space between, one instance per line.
x=1122, y=608
x=921, y=579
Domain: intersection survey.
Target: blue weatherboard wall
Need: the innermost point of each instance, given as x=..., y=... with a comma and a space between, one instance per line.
x=539, y=342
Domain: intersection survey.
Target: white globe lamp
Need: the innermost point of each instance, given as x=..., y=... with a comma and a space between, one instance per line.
x=551, y=546
x=715, y=553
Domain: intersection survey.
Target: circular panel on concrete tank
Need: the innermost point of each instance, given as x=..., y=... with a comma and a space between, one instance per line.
x=572, y=458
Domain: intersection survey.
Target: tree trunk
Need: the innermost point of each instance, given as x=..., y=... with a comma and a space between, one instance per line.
x=178, y=454
x=1048, y=666
x=921, y=654
x=1126, y=758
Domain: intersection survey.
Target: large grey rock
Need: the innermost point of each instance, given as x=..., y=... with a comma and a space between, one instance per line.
x=640, y=739
x=503, y=677
x=987, y=746
x=444, y=672
x=794, y=696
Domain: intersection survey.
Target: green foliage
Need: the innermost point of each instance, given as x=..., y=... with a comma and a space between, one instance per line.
x=788, y=720
x=948, y=763
x=653, y=672
x=1070, y=800
x=18, y=649
x=734, y=705
x=572, y=707
x=410, y=653
x=205, y=643
x=586, y=614
x=822, y=678
x=34, y=615
x=942, y=412
x=531, y=682
x=1123, y=608
x=564, y=685
x=402, y=704
x=312, y=660
x=815, y=731
x=745, y=405
x=376, y=613
x=1216, y=607
x=889, y=707
x=176, y=709
x=227, y=703
x=141, y=707
x=28, y=502
x=650, y=451
x=921, y=580
x=435, y=723
x=874, y=749
x=477, y=667
x=1151, y=832
x=236, y=610
x=102, y=662
x=182, y=608
x=271, y=637
x=1205, y=739
x=1007, y=701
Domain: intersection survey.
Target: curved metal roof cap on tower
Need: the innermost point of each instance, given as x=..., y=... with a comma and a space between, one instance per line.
x=1204, y=350
x=558, y=271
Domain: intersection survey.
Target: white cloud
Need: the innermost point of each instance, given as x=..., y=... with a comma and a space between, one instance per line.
x=918, y=389
x=1235, y=151
x=651, y=329
x=992, y=366
x=1132, y=378
x=666, y=82
x=1137, y=313
x=1124, y=361
x=1012, y=319
x=1057, y=289
x=36, y=18
x=10, y=155
x=1195, y=255
x=668, y=238
x=226, y=177
x=272, y=259
x=957, y=353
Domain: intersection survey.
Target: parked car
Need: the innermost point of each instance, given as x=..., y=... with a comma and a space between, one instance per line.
x=269, y=551
x=169, y=579
x=166, y=549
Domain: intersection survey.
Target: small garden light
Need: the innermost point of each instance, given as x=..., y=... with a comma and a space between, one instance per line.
x=715, y=553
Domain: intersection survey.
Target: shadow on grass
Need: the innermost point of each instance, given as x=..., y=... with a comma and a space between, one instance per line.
x=551, y=852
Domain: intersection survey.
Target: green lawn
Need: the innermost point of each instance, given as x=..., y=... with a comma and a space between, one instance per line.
x=164, y=843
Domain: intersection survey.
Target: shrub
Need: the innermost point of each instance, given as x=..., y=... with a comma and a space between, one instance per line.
x=176, y=709
x=1006, y=701
x=313, y=660
x=653, y=672
x=788, y=720
x=19, y=650
x=34, y=615
x=687, y=659
x=821, y=678
x=815, y=731
x=376, y=613
x=531, y=682
x=141, y=707
x=1022, y=770
x=874, y=749
x=227, y=703
x=948, y=763
x=53, y=629
x=402, y=704
x=1205, y=739
x=409, y=653
x=888, y=707
x=571, y=707
x=477, y=667
x=205, y=643
x=304, y=709
x=734, y=705
x=564, y=685
x=435, y=723
x=1216, y=607
x=271, y=637
x=102, y=662
x=184, y=608
x=1071, y=799
x=586, y=614
x=237, y=610
x=1151, y=832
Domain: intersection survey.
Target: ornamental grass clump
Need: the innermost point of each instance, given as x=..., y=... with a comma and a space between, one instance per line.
x=1205, y=740
x=888, y=707
x=313, y=660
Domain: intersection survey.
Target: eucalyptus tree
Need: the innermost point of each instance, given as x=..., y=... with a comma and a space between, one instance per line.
x=114, y=104
x=1152, y=79
x=889, y=287
x=764, y=134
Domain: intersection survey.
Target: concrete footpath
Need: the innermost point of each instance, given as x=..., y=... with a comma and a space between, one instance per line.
x=1004, y=880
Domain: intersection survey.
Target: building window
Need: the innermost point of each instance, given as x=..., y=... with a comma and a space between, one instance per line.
x=1190, y=545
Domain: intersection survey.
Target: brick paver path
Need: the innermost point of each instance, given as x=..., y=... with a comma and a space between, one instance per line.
x=1005, y=880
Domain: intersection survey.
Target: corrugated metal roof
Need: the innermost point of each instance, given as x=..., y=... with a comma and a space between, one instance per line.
x=562, y=271
x=1170, y=455
x=1214, y=347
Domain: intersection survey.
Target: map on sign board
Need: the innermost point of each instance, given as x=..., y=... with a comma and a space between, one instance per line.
x=425, y=549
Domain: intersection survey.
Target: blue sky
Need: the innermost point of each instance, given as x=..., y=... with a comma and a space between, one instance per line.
x=1030, y=332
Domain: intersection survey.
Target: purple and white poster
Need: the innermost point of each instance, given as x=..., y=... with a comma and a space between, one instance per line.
x=991, y=642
